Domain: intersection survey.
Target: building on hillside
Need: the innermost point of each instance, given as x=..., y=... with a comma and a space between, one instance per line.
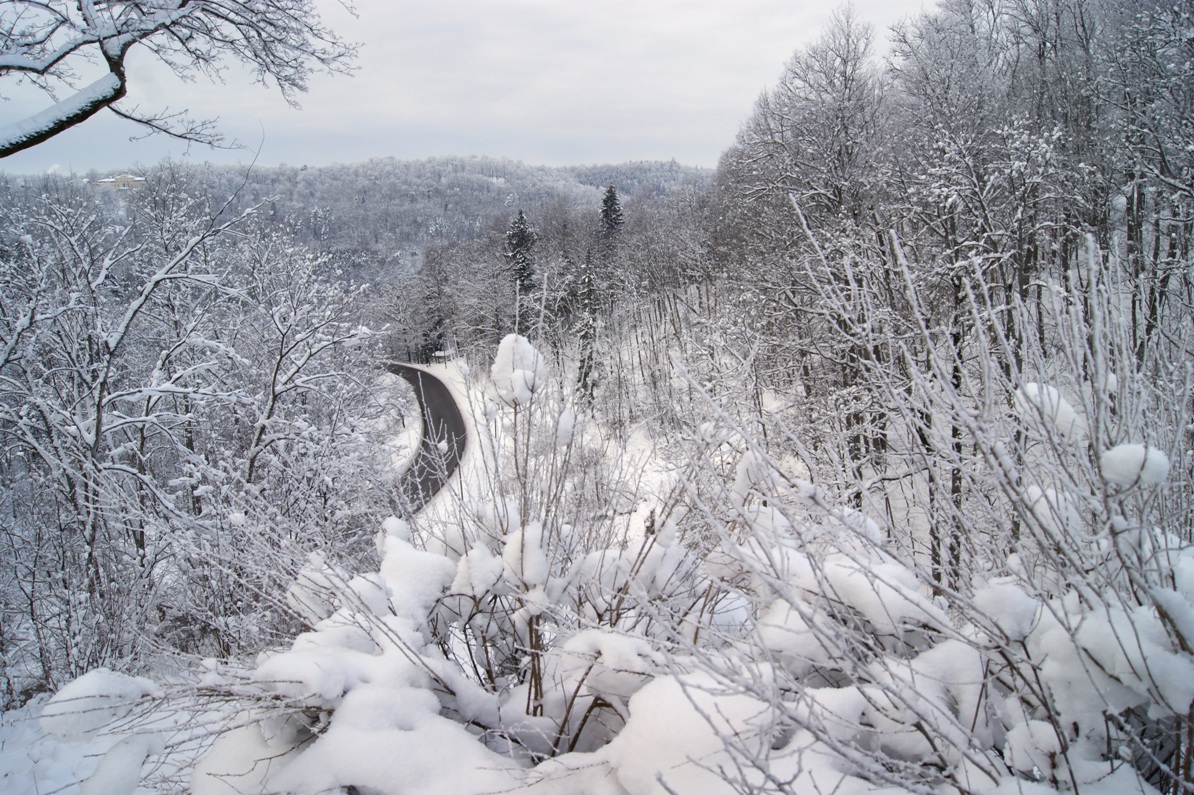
x=121, y=182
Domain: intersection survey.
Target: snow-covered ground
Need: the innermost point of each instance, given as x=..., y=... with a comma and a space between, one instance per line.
x=109, y=734
x=796, y=654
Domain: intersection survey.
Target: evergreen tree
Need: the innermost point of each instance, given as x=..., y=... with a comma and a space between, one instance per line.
x=604, y=270
x=520, y=240
x=611, y=213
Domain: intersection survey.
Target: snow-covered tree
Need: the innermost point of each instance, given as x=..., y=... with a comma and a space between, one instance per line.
x=611, y=212
x=520, y=244
x=80, y=51
x=178, y=404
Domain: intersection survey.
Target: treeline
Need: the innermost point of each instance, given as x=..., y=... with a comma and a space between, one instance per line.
x=876, y=215
x=377, y=217
x=957, y=283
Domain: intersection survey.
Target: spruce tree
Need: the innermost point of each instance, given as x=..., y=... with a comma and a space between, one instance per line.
x=604, y=267
x=611, y=213
x=520, y=240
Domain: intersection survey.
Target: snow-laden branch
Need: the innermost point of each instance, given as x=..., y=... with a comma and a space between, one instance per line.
x=50, y=42
x=46, y=124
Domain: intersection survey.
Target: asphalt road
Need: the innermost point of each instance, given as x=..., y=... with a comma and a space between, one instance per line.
x=444, y=437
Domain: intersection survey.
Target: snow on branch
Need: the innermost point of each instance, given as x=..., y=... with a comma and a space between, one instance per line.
x=49, y=43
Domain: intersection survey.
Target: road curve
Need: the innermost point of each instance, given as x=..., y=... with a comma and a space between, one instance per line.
x=444, y=437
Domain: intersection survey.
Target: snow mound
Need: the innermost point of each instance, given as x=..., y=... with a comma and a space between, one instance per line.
x=1008, y=608
x=1032, y=745
x=1055, y=511
x=119, y=771
x=1040, y=404
x=518, y=370
x=93, y=701
x=675, y=738
x=381, y=736
x=1132, y=464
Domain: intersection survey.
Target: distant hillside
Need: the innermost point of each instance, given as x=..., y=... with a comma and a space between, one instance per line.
x=394, y=209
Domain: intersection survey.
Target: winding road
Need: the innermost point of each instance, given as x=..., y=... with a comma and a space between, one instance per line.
x=444, y=437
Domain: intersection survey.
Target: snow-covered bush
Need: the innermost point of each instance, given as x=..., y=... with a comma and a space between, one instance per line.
x=522, y=616
x=525, y=641
x=871, y=681
x=1021, y=617
x=796, y=643
x=184, y=416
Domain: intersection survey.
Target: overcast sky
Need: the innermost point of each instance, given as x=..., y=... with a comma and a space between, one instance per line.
x=550, y=82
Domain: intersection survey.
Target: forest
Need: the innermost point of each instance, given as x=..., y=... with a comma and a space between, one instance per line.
x=863, y=463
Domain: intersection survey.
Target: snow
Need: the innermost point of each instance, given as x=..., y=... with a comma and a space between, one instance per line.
x=611, y=666
x=1032, y=745
x=310, y=595
x=1008, y=607
x=119, y=772
x=148, y=750
x=415, y=578
x=1055, y=511
x=1040, y=404
x=477, y=572
x=1132, y=647
x=394, y=740
x=370, y=699
x=32, y=762
x=673, y=742
x=518, y=370
x=887, y=594
x=404, y=432
x=785, y=631
x=93, y=701
x=565, y=428
x=1178, y=609
x=105, y=87
x=525, y=558
x=1134, y=464
x=238, y=763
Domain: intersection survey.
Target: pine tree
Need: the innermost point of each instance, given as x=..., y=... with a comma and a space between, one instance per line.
x=604, y=271
x=611, y=213
x=520, y=240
